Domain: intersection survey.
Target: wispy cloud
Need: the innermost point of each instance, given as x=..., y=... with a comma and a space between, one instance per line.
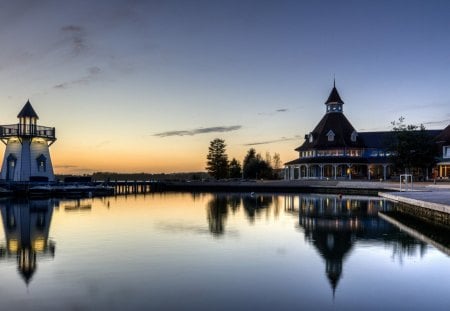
x=202, y=130
x=103, y=143
x=297, y=137
x=441, y=122
x=65, y=166
x=271, y=113
x=92, y=74
x=76, y=36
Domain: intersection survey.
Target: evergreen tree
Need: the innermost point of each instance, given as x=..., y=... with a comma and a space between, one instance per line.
x=217, y=164
x=255, y=167
x=235, y=169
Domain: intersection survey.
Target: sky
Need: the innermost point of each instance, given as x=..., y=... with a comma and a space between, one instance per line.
x=144, y=86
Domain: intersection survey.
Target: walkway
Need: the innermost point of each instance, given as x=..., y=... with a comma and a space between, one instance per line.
x=434, y=197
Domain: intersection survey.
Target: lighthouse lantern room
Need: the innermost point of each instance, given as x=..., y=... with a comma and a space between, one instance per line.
x=27, y=155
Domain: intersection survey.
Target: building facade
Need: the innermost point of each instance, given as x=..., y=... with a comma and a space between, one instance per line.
x=27, y=154
x=442, y=170
x=335, y=150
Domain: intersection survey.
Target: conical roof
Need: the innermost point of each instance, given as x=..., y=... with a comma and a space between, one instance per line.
x=27, y=111
x=342, y=129
x=334, y=97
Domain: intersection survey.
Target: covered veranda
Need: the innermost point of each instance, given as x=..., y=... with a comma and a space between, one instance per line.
x=348, y=170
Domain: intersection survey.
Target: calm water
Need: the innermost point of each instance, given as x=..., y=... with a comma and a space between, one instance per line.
x=180, y=251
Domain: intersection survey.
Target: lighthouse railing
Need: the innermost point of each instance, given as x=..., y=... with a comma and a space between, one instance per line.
x=30, y=130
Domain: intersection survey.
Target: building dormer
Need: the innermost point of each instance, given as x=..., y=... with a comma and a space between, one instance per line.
x=353, y=136
x=334, y=102
x=330, y=135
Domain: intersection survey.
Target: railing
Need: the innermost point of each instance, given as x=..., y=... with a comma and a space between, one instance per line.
x=30, y=130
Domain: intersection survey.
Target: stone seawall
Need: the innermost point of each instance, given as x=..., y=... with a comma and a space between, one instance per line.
x=421, y=205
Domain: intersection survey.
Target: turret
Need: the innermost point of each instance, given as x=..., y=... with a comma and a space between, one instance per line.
x=334, y=102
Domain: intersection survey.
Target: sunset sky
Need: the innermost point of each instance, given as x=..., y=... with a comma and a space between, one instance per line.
x=144, y=86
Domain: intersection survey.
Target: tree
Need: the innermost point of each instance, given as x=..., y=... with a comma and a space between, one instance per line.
x=276, y=161
x=217, y=164
x=235, y=170
x=248, y=166
x=411, y=148
x=255, y=167
x=276, y=164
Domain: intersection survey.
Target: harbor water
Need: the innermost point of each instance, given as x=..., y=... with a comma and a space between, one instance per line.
x=218, y=251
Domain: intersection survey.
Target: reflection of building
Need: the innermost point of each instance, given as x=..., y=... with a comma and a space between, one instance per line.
x=26, y=228
x=27, y=155
x=333, y=225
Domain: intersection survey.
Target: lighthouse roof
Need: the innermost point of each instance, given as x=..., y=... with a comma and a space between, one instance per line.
x=27, y=111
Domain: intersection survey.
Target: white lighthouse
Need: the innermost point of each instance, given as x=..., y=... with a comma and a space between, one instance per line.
x=27, y=155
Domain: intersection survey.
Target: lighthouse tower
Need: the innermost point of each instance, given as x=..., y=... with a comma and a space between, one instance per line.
x=27, y=156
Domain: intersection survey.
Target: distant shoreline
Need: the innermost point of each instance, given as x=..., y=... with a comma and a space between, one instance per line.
x=282, y=186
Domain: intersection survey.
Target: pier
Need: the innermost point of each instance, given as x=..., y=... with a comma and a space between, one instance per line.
x=135, y=186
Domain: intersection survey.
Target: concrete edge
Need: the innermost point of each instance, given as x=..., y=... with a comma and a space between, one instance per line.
x=429, y=205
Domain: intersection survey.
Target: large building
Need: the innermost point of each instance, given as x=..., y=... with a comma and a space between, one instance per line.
x=27, y=155
x=335, y=150
x=443, y=165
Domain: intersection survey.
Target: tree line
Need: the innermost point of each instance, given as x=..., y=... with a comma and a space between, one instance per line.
x=253, y=166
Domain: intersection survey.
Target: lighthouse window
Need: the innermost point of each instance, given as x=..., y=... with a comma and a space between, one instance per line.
x=41, y=163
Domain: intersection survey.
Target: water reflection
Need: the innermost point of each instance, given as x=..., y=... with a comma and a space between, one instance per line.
x=217, y=210
x=218, y=206
x=26, y=225
x=260, y=251
x=334, y=225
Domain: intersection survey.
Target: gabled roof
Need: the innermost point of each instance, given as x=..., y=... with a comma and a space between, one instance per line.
x=334, y=97
x=342, y=129
x=27, y=111
x=444, y=136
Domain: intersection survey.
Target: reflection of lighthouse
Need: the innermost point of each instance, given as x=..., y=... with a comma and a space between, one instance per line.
x=26, y=228
x=27, y=156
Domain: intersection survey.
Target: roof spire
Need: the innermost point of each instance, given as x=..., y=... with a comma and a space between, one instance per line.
x=334, y=96
x=334, y=80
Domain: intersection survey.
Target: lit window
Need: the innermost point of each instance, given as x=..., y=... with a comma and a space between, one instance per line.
x=446, y=152
x=311, y=138
x=41, y=163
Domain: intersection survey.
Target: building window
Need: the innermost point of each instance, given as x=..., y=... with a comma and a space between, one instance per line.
x=353, y=136
x=446, y=153
x=311, y=138
x=41, y=163
x=330, y=135
x=11, y=167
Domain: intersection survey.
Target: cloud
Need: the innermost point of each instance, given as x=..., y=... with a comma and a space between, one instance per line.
x=65, y=166
x=273, y=141
x=76, y=36
x=276, y=111
x=92, y=74
x=204, y=130
x=103, y=143
x=441, y=122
